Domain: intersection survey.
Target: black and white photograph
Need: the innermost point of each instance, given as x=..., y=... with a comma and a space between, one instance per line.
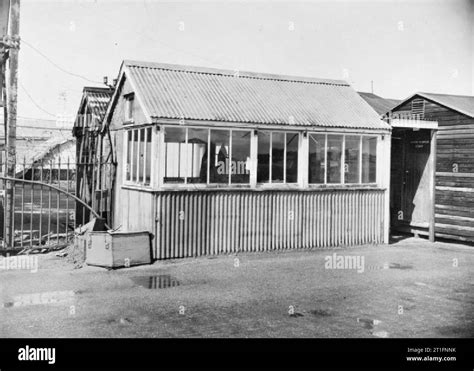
x=237, y=170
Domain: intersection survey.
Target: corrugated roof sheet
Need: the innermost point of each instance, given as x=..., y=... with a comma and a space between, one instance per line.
x=460, y=103
x=175, y=92
x=379, y=104
x=98, y=99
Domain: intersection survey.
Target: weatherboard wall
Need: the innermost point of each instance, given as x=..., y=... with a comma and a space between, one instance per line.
x=454, y=197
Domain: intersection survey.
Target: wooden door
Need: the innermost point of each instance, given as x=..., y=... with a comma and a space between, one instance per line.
x=410, y=188
x=416, y=191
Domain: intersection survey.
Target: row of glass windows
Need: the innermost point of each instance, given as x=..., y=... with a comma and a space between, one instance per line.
x=138, y=166
x=222, y=156
x=325, y=159
x=206, y=156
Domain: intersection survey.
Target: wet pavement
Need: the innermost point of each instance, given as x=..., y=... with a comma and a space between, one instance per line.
x=409, y=289
x=159, y=281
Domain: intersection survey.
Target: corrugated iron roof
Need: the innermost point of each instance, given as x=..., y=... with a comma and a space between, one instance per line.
x=460, y=103
x=379, y=104
x=195, y=93
x=97, y=99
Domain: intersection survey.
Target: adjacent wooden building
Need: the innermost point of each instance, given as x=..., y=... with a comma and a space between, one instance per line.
x=95, y=165
x=453, y=184
x=213, y=161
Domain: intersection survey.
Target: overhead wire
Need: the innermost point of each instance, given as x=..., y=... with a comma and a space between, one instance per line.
x=34, y=102
x=57, y=65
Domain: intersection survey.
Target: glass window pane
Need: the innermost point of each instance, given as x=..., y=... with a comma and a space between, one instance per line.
x=219, y=169
x=263, y=161
x=197, y=155
x=352, y=158
x=278, y=148
x=174, y=148
x=292, y=140
x=141, y=155
x=148, y=157
x=369, y=159
x=129, y=154
x=334, y=158
x=240, y=157
x=134, y=156
x=316, y=161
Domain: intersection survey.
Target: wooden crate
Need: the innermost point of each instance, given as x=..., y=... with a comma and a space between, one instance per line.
x=118, y=249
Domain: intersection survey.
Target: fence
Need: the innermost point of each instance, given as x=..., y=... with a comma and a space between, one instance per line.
x=45, y=206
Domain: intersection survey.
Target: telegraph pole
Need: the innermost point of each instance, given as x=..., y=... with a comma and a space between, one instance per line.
x=12, y=94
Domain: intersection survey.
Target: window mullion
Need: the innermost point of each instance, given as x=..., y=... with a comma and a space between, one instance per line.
x=145, y=139
x=186, y=148
x=360, y=159
x=208, y=155
x=132, y=165
x=270, y=158
x=138, y=156
x=343, y=159
x=229, y=161
x=284, y=156
x=127, y=155
x=325, y=158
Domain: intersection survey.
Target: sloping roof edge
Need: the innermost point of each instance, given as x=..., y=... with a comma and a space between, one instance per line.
x=125, y=73
x=224, y=72
x=113, y=100
x=431, y=98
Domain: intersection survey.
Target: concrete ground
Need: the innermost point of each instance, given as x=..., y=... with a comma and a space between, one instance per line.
x=411, y=288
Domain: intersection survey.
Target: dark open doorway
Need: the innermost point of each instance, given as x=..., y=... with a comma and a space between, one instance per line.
x=412, y=181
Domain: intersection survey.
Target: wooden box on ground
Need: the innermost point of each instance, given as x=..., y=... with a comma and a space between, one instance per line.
x=118, y=249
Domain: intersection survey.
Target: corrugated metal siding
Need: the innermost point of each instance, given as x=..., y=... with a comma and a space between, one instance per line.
x=175, y=93
x=210, y=223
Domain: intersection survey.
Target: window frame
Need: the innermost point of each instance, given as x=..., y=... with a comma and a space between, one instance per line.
x=128, y=108
x=157, y=170
x=283, y=183
x=148, y=130
x=343, y=159
x=208, y=184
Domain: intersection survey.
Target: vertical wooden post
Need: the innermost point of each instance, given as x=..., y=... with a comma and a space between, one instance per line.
x=384, y=144
x=303, y=159
x=12, y=91
x=432, y=186
x=253, y=158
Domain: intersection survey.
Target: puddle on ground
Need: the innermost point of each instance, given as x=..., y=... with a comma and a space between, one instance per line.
x=296, y=314
x=320, y=313
x=161, y=281
x=49, y=297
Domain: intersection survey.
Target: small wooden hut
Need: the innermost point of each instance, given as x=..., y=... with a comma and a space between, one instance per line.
x=453, y=187
x=95, y=166
x=213, y=161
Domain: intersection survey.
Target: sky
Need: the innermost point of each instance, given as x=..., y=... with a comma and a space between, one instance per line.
x=402, y=46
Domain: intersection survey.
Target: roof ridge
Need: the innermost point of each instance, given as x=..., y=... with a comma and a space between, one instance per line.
x=446, y=95
x=236, y=73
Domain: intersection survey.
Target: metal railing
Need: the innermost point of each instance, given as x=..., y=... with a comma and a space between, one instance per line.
x=45, y=206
